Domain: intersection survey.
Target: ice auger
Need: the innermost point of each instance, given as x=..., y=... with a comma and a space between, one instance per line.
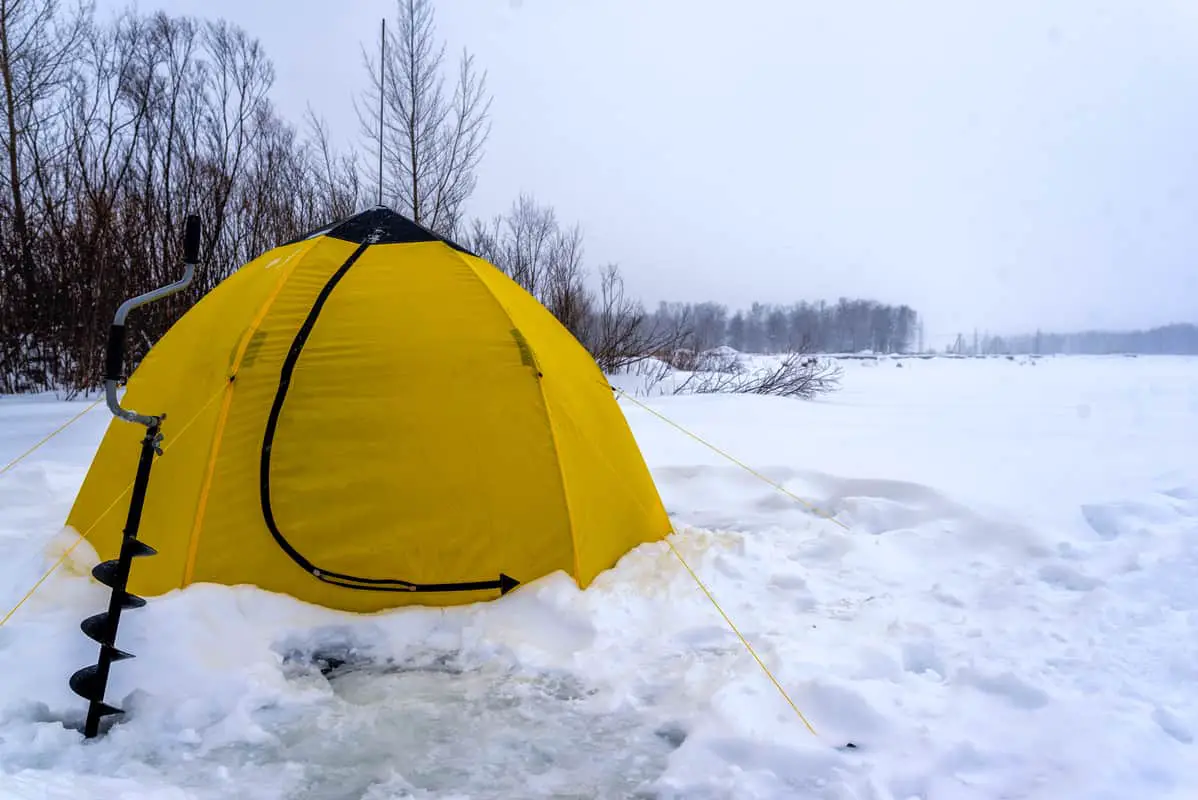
x=91, y=682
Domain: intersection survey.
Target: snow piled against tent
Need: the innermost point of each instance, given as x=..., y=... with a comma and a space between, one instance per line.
x=1010, y=611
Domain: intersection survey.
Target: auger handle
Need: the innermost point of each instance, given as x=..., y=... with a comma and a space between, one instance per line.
x=115, y=356
x=191, y=240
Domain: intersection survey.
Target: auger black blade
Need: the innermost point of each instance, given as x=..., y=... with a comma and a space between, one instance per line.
x=93, y=627
x=91, y=682
x=132, y=601
x=139, y=549
x=127, y=600
x=97, y=629
x=105, y=710
x=85, y=683
x=116, y=654
x=107, y=572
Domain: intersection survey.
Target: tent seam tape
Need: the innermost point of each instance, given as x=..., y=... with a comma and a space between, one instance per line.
x=193, y=542
x=557, y=456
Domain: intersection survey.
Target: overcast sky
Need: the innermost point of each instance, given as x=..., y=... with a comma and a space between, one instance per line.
x=1004, y=165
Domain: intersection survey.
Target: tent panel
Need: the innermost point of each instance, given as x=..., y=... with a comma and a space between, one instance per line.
x=411, y=442
x=184, y=375
x=613, y=502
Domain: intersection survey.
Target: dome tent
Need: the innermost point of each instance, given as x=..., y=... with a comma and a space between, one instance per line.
x=376, y=418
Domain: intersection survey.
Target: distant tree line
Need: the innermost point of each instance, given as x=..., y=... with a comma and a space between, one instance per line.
x=1176, y=339
x=531, y=245
x=847, y=326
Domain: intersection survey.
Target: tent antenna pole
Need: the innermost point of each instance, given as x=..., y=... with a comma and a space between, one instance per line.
x=382, y=82
x=91, y=682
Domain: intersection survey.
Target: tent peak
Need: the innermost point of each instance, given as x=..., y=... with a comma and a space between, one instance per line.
x=378, y=224
x=382, y=225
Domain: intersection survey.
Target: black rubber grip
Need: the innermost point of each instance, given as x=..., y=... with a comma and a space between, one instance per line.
x=115, y=358
x=191, y=240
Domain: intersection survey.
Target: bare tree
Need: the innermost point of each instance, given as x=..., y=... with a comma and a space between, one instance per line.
x=238, y=79
x=524, y=243
x=432, y=141
x=565, y=293
x=529, y=245
x=37, y=44
x=338, y=184
x=621, y=333
x=711, y=325
x=36, y=47
x=151, y=118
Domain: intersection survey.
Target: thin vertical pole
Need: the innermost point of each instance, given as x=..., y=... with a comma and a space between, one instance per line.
x=382, y=84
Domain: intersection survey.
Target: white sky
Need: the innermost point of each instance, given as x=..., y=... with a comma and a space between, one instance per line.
x=1000, y=165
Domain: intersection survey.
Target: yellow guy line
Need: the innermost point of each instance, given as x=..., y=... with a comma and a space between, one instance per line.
x=50, y=436
x=742, y=638
x=734, y=460
x=67, y=553
x=769, y=674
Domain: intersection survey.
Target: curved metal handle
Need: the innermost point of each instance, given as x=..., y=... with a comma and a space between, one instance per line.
x=115, y=355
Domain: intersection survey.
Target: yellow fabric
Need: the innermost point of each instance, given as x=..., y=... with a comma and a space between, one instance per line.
x=610, y=492
x=439, y=426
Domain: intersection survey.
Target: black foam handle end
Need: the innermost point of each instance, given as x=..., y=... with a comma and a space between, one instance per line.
x=191, y=240
x=115, y=358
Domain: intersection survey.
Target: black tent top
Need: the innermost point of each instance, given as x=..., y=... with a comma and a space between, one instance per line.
x=378, y=225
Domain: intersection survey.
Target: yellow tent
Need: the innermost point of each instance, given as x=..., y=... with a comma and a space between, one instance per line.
x=375, y=418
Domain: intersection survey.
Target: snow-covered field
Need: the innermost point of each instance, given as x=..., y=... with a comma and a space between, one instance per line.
x=1012, y=613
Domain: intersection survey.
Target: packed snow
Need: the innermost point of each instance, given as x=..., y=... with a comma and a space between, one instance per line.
x=1010, y=610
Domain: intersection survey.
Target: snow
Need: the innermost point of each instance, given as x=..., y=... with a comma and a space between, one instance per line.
x=1011, y=613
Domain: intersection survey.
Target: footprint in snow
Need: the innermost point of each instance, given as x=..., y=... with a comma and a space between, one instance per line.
x=964, y=761
x=845, y=713
x=1070, y=552
x=796, y=587
x=726, y=567
x=788, y=581
x=1112, y=520
x=827, y=546
x=921, y=657
x=710, y=639
x=799, y=771
x=1062, y=576
x=1184, y=493
x=1173, y=726
x=948, y=598
x=881, y=515
x=775, y=502
x=1103, y=520
x=1018, y=692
